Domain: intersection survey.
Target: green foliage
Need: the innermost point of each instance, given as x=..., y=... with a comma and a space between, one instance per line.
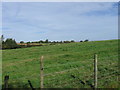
x=41, y=41
x=21, y=41
x=72, y=41
x=86, y=40
x=46, y=41
x=9, y=44
x=2, y=38
x=81, y=41
x=28, y=42
x=66, y=41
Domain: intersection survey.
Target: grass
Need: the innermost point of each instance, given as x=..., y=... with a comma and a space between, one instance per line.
x=60, y=63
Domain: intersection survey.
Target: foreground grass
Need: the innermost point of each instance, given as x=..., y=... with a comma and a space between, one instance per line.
x=61, y=62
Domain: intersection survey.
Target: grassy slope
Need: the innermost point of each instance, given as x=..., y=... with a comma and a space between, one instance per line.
x=68, y=59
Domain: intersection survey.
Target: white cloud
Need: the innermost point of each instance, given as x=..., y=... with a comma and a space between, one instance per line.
x=59, y=21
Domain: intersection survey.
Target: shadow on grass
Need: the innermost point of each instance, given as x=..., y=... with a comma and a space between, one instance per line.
x=17, y=85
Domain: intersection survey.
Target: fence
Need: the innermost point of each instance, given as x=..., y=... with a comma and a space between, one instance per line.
x=75, y=75
x=95, y=72
x=96, y=75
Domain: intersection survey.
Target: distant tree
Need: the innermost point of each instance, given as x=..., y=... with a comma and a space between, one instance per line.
x=37, y=42
x=10, y=43
x=60, y=42
x=66, y=41
x=49, y=41
x=86, y=40
x=2, y=38
x=46, y=41
x=53, y=42
x=28, y=42
x=57, y=41
x=21, y=41
x=1, y=41
x=72, y=41
x=41, y=41
x=81, y=41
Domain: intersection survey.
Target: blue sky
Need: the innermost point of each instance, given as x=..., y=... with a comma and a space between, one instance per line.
x=33, y=21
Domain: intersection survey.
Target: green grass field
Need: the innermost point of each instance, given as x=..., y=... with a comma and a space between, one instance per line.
x=61, y=63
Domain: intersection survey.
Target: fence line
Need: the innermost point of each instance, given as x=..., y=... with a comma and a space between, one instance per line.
x=41, y=72
x=78, y=61
x=61, y=72
x=68, y=70
x=94, y=61
x=93, y=75
x=95, y=70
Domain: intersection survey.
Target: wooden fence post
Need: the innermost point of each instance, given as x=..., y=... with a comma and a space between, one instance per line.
x=95, y=71
x=30, y=84
x=6, y=78
x=41, y=72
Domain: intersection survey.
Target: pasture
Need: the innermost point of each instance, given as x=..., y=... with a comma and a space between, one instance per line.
x=65, y=65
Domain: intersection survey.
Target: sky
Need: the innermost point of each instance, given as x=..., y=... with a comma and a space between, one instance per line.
x=56, y=21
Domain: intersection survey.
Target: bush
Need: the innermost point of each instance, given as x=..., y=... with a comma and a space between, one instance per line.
x=86, y=40
x=72, y=41
x=9, y=44
x=21, y=41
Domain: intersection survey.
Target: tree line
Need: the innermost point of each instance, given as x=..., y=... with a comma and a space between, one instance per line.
x=47, y=41
x=10, y=43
